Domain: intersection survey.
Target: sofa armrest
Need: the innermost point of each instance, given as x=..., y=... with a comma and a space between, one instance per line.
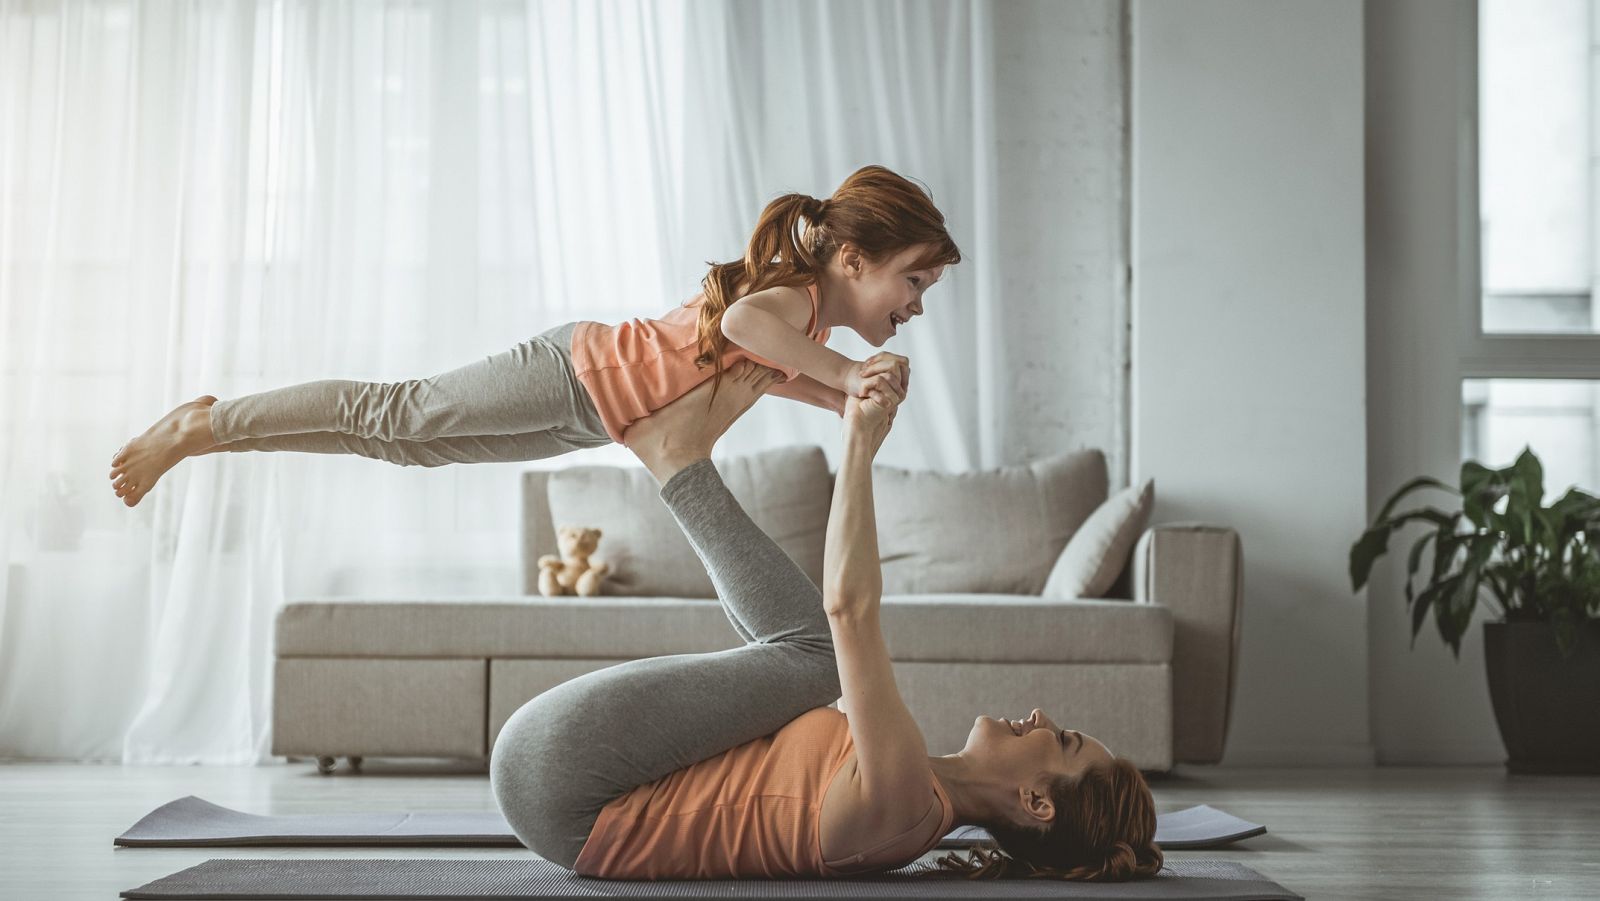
x=1196, y=571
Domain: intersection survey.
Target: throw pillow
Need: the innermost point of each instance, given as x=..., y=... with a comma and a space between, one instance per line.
x=1099, y=550
x=992, y=531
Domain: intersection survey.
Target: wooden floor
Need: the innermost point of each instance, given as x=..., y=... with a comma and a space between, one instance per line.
x=1352, y=833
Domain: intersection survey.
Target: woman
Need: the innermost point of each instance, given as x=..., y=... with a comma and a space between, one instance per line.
x=730, y=764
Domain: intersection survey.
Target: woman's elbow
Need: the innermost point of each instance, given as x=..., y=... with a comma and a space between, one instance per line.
x=843, y=601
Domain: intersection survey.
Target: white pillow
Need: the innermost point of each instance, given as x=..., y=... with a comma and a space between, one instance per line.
x=992, y=531
x=1099, y=550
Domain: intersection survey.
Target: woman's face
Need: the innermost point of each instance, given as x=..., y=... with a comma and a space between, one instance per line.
x=886, y=295
x=1019, y=751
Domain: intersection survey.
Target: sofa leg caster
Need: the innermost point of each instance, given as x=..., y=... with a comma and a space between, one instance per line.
x=355, y=763
x=325, y=765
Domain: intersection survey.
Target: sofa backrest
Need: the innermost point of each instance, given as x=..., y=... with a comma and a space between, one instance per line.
x=784, y=491
x=993, y=531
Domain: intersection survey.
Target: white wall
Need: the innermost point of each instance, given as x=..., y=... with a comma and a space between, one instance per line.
x=1060, y=115
x=1426, y=706
x=1248, y=316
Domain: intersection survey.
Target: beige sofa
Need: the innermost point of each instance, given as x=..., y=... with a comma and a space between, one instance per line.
x=974, y=567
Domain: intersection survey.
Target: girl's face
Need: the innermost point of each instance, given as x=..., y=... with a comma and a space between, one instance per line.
x=885, y=296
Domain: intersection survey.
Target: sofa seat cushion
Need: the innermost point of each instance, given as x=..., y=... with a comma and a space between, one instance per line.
x=937, y=627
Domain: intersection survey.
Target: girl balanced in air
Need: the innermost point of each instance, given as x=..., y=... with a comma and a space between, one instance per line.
x=863, y=260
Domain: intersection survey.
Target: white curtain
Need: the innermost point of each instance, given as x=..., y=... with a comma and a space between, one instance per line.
x=223, y=197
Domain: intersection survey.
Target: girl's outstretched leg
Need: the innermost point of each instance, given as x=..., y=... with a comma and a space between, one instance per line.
x=435, y=452
x=183, y=432
x=528, y=393
x=529, y=388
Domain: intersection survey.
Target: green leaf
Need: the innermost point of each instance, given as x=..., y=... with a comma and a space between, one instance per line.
x=1454, y=613
x=1411, y=564
x=1526, y=494
x=1574, y=513
x=1444, y=551
x=1480, y=488
x=1425, y=600
x=1374, y=542
x=1407, y=488
x=1480, y=548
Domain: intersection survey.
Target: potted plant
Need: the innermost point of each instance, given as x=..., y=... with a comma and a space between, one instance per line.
x=1538, y=568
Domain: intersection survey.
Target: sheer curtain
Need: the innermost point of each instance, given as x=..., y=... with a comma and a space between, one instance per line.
x=222, y=197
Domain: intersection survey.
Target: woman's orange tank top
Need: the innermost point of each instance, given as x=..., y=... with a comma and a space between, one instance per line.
x=637, y=367
x=753, y=811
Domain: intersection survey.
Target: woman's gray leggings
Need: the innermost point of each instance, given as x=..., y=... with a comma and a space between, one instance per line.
x=521, y=404
x=566, y=753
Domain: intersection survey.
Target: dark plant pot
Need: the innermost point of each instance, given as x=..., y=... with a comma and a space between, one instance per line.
x=1547, y=706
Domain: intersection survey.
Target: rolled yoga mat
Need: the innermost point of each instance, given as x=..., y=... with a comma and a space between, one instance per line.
x=195, y=822
x=508, y=878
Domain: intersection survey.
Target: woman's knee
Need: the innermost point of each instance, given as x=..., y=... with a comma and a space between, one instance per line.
x=525, y=779
x=819, y=668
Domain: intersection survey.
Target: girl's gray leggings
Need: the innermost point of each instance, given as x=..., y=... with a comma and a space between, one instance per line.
x=521, y=404
x=566, y=753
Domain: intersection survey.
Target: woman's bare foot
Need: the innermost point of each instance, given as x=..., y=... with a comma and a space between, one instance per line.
x=685, y=430
x=137, y=465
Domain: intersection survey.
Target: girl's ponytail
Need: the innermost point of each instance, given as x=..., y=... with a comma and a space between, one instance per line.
x=773, y=250
x=876, y=210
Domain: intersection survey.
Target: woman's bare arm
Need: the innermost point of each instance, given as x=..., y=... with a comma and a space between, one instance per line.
x=891, y=753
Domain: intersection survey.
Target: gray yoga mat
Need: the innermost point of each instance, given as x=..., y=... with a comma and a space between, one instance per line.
x=195, y=822
x=509, y=878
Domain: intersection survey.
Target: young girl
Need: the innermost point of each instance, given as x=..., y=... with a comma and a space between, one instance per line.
x=863, y=261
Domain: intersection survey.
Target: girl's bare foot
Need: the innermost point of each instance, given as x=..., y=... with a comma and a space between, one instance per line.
x=137, y=465
x=684, y=431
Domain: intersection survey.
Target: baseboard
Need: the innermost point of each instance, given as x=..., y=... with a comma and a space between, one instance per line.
x=1444, y=754
x=1320, y=754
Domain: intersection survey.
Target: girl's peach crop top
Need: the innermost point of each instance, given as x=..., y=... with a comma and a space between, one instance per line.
x=753, y=811
x=637, y=367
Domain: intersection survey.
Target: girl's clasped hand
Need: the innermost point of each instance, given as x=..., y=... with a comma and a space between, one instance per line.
x=879, y=371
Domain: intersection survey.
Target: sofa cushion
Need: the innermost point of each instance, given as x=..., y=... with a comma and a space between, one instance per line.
x=991, y=531
x=1100, y=549
x=783, y=490
x=941, y=627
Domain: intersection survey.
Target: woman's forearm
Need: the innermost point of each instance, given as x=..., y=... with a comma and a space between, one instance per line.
x=766, y=334
x=852, y=574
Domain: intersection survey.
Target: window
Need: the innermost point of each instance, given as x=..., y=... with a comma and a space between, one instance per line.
x=1556, y=417
x=1536, y=165
x=1530, y=330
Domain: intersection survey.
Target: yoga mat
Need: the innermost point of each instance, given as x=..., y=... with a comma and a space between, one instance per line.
x=507, y=878
x=195, y=822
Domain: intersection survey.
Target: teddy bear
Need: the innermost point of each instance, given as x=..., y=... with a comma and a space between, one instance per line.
x=572, y=572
